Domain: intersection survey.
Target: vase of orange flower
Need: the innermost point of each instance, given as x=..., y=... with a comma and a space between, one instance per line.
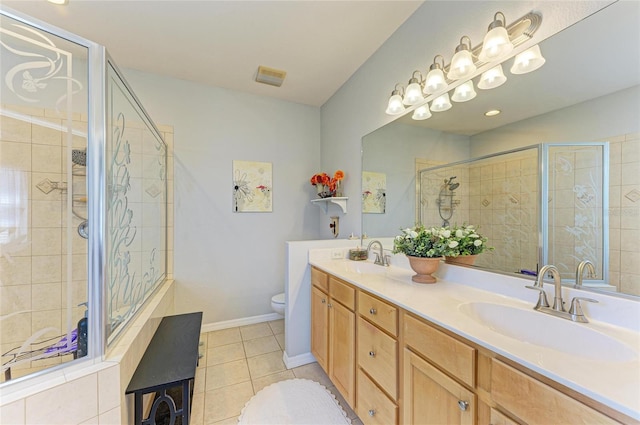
x=328, y=186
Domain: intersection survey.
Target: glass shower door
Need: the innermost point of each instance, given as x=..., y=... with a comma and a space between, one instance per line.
x=43, y=197
x=577, y=198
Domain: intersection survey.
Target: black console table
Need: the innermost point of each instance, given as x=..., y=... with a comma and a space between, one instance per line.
x=170, y=360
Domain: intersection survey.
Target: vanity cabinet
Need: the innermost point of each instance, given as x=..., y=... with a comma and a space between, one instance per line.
x=534, y=402
x=439, y=375
x=393, y=366
x=377, y=348
x=333, y=327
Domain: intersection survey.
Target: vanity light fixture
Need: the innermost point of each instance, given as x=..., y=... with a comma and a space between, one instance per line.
x=421, y=113
x=395, y=105
x=462, y=65
x=496, y=44
x=59, y=2
x=442, y=79
x=464, y=92
x=441, y=103
x=435, y=78
x=492, y=113
x=413, y=94
x=492, y=78
x=527, y=61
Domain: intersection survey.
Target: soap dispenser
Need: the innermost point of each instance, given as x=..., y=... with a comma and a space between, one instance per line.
x=83, y=333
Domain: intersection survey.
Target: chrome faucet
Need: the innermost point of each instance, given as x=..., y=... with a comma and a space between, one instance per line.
x=380, y=259
x=575, y=312
x=580, y=272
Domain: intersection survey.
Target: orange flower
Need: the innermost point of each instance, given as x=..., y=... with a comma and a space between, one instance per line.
x=339, y=175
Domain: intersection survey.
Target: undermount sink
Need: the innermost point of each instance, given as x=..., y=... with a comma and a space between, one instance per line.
x=364, y=267
x=539, y=329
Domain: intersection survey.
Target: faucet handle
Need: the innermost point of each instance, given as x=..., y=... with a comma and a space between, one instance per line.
x=576, y=308
x=377, y=260
x=542, y=300
x=387, y=260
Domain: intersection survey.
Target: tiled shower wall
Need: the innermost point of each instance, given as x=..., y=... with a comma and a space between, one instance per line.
x=33, y=246
x=624, y=213
x=33, y=243
x=497, y=195
x=501, y=194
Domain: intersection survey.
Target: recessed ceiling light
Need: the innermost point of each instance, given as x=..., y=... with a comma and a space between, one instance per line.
x=492, y=112
x=61, y=2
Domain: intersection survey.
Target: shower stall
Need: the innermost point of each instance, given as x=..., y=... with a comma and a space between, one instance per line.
x=83, y=199
x=503, y=194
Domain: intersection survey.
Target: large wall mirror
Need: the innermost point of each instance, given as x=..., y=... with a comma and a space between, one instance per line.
x=587, y=91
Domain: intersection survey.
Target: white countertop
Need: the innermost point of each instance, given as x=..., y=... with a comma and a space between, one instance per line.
x=605, y=375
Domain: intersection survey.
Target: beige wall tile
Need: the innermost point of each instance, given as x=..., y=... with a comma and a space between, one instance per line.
x=15, y=298
x=46, y=214
x=77, y=399
x=16, y=156
x=14, y=130
x=16, y=271
x=13, y=413
x=41, y=134
x=46, y=296
x=108, y=389
x=46, y=269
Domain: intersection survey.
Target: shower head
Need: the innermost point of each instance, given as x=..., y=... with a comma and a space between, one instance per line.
x=79, y=157
x=452, y=186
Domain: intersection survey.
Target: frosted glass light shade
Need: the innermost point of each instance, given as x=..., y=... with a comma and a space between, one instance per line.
x=395, y=105
x=492, y=78
x=461, y=66
x=413, y=95
x=496, y=45
x=435, y=81
x=527, y=61
x=441, y=103
x=464, y=92
x=422, y=113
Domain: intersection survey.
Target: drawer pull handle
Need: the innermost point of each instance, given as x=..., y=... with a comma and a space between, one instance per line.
x=372, y=412
x=463, y=405
x=373, y=310
x=372, y=353
x=324, y=301
x=329, y=305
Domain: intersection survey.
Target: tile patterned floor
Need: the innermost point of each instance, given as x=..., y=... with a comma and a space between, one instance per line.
x=238, y=363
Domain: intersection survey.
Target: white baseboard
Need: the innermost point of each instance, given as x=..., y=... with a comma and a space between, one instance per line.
x=299, y=360
x=226, y=324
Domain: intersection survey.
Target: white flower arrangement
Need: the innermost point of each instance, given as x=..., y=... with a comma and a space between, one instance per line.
x=464, y=240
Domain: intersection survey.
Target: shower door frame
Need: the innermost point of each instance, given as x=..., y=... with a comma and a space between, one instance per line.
x=96, y=208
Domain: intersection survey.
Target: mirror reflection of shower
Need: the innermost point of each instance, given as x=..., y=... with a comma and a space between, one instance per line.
x=445, y=201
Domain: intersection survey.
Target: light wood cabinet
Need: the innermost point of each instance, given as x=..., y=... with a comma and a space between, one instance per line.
x=411, y=371
x=333, y=330
x=534, y=402
x=320, y=327
x=431, y=397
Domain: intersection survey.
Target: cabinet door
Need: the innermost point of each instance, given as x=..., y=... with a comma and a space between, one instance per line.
x=342, y=331
x=320, y=327
x=431, y=397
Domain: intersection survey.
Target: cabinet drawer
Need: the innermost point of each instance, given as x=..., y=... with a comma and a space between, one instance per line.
x=530, y=400
x=377, y=355
x=454, y=356
x=374, y=407
x=379, y=312
x=342, y=293
x=320, y=279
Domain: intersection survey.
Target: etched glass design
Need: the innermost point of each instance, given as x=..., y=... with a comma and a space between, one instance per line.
x=136, y=205
x=43, y=260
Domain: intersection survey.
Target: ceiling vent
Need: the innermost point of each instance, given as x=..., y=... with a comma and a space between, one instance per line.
x=271, y=76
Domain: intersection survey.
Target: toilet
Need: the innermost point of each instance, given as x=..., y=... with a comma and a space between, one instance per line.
x=277, y=303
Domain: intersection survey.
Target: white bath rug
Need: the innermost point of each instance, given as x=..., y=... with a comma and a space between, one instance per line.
x=295, y=401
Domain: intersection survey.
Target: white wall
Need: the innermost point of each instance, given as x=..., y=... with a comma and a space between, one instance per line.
x=393, y=150
x=228, y=264
x=614, y=114
x=435, y=28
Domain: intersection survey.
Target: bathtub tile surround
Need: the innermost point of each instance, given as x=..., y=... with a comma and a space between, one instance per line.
x=89, y=392
x=241, y=361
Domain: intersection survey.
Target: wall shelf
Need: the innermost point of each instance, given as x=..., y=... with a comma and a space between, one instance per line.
x=324, y=203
